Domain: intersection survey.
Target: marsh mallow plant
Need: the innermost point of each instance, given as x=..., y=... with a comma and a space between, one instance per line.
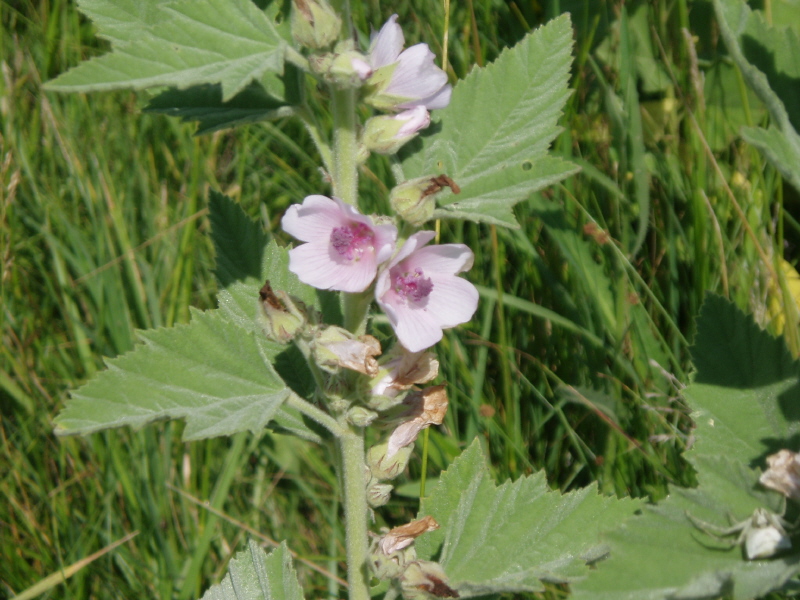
x=297, y=345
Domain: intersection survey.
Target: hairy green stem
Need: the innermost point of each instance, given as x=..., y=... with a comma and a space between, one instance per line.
x=345, y=171
x=355, y=513
x=318, y=415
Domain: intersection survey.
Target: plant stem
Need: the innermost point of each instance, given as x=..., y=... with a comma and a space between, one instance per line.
x=315, y=414
x=355, y=513
x=345, y=172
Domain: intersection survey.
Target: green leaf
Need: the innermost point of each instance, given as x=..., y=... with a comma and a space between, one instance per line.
x=180, y=44
x=673, y=558
x=493, y=138
x=746, y=404
x=746, y=394
x=769, y=58
x=254, y=575
x=210, y=372
x=513, y=537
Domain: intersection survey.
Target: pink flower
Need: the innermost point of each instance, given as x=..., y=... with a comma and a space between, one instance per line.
x=421, y=294
x=343, y=248
x=403, y=79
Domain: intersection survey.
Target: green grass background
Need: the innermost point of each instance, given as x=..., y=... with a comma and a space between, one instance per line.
x=572, y=364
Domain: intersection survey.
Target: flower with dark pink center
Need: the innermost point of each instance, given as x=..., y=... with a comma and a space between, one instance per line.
x=420, y=292
x=342, y=248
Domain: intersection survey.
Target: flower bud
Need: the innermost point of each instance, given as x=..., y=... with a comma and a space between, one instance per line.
x=361, y=416
x=384, y=468
x=414, y=200
x=280, y=318
x=378, y=494
x=314, y=23
x=335, y=347
x=344, y=67
x=783, y=474
x=423, y=579
x=387, y=134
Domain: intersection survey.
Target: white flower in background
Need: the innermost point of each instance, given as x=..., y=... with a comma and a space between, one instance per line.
x=403, y=79
x=420, y=292
x=343, y=247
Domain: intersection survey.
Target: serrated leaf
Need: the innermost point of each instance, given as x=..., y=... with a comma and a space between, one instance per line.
x=510, y=538
x=185, y=43
x=746, y=393
x=492, y=139
x=210, y=372
x=673, y=558
x=205, y=104
x=255, y=575
x=121, y=21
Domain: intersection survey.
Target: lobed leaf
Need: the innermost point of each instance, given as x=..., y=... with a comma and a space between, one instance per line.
x=746, y=394
x=179, y=44
x=210, y=372
x=663, y=555
x=493, y=138
x=512, y=537
x=255, y=575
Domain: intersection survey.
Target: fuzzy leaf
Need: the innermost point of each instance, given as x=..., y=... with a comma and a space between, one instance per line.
x=255, y=575
x=179, y=44
x=673, y=558
x=511, y=538
x=493, y=138
x=746, y=404
x=769, y=58
x=210, y=372
x=746, y=394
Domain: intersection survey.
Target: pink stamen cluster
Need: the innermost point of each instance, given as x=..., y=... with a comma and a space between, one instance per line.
x=412, y=286
x=351, y=241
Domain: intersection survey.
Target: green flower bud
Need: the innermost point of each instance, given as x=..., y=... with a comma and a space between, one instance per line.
x=314, y=23
x=414, y=200
x=378, y=494
x=383, y=468
x=280, y=318
x=335, y=348
x=386, y=134
x=344, y=67
x=361, y=416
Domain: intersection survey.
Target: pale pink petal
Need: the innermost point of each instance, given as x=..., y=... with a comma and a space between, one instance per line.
x=415, y=119
x=447, y=258
x=416, y=75
x=386, y=45
x=416, y=329
x=313, y=219
x=438, y=100
x=454, y=303
x=385, y=241
x=313, y=266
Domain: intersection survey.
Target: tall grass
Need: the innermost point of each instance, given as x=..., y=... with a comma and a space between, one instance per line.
x=573, y=363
